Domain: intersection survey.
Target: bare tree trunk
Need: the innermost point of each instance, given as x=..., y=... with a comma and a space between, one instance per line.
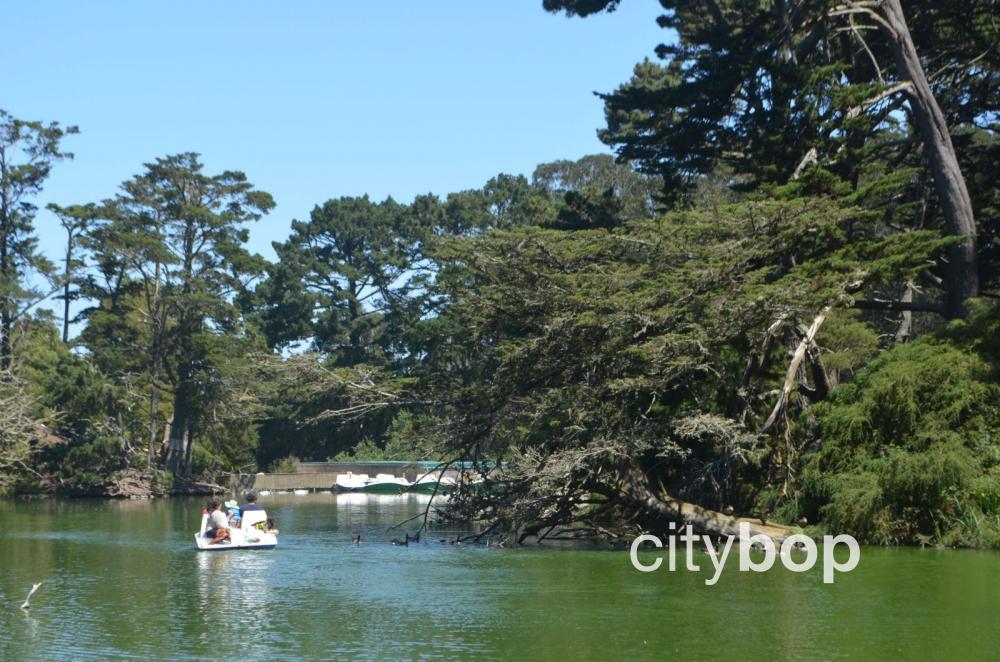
x=905, y=327
x=154, y=397
x=7, y=344
x=822, y=383
x=793, y=369
x=6, y=303
x=67, y=273
x=154, y=404
x=189, y=452
x=6, y=317
x=180, y=448
x=634, y=489
x=963, y=281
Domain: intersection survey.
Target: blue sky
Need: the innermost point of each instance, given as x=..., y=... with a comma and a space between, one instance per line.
x=315, y=100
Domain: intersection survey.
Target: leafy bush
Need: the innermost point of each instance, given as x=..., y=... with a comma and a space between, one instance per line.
x=908, y=450
x=87, y=467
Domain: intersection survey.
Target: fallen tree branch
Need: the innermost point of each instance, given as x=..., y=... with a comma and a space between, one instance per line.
x=754, y=364
x=702, y=520
x=793, y=368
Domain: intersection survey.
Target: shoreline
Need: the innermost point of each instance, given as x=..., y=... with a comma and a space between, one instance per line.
x=565, y=537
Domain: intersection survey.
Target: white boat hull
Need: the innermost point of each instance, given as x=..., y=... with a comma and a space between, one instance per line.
x=249, y=538
x=350, y=482
x=239, y=541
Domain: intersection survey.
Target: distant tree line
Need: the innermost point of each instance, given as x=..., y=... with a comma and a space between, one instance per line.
x=777, y=299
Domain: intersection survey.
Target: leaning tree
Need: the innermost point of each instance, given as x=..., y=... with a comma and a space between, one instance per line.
x=774, y=89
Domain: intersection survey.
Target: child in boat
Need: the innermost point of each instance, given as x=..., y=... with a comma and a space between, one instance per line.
x=233, y=511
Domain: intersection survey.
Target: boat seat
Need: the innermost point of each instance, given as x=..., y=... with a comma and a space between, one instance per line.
x=251, y=518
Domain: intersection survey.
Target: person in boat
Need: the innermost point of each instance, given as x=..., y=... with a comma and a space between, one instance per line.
x=218, y=523
x=233, y=511
x=251, y=504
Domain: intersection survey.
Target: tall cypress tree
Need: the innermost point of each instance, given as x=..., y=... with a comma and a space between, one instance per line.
x=172, y=258
x=28, y=150
x=779, y=91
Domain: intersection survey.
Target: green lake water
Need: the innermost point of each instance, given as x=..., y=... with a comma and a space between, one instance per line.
x=122, y=581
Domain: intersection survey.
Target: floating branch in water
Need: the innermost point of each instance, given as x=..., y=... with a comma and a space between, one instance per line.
x=27, y=601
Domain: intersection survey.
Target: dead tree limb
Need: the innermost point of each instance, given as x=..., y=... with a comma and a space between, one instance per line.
x=793, y=369
x=754, y=364
x=905, y=327
x=634, y=487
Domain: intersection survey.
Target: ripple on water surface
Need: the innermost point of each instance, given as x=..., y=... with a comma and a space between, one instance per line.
x=122, y=580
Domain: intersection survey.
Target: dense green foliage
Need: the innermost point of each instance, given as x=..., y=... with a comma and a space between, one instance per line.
x=909, y=447
x=753, y=308
x=592, y=355
x=774, y=91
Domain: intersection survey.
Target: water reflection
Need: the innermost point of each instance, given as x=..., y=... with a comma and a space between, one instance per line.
x=232, y=586
x=30, y=625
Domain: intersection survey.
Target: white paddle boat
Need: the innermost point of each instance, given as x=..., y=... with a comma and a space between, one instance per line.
x=252, y=533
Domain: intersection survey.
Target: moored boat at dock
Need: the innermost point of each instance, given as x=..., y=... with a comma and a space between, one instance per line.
x=433, y=483
x=386, y=484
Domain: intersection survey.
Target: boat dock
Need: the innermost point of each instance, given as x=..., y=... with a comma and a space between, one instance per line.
x=323, y=476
